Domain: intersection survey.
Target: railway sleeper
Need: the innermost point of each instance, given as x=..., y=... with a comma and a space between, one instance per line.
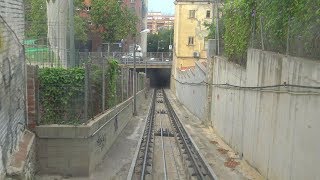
x=165, y=132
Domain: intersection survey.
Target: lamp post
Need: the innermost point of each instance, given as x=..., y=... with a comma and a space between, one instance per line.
x=134, y=74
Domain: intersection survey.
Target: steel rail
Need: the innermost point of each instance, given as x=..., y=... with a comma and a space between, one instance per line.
x=136, y=154
x=163, y=152
x=151, y=118
x=184, y=138
x=174, y=159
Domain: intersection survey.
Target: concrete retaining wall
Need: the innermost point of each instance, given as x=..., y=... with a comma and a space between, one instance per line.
x=77, y=150
x=275, y=131
x=192, y=96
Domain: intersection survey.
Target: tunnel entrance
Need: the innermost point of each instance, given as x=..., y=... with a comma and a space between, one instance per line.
x=159, y=77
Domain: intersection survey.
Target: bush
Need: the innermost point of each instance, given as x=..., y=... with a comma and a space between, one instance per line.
x=62, y=93
x=284, y=24
x=59, y=90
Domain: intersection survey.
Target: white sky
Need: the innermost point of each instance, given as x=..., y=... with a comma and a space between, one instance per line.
x=164, y=6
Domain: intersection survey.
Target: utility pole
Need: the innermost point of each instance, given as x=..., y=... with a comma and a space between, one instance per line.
x=171, y=45
x=217, y=28
x=134, y=78
x=71, y=34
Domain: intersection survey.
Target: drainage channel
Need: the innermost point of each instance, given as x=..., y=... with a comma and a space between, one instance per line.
x=166, y=150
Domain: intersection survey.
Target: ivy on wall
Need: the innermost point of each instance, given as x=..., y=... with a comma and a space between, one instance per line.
x=62, y=92
x=237, y=21
x=58, y=87
x=112, y=73
x=280, y=25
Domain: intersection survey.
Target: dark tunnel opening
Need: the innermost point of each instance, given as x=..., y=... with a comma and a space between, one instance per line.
x=159, y=77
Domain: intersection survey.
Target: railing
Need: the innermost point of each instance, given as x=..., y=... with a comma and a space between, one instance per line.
x=48, y=58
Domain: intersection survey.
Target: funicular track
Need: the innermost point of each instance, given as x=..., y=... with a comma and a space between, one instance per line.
x=166, y=151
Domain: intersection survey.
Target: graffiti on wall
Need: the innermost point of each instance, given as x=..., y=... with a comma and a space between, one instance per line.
x=12, y=92
x=101, y=141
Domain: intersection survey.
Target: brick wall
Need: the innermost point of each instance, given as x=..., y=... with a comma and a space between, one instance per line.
x=12, y=79
x=32, y=96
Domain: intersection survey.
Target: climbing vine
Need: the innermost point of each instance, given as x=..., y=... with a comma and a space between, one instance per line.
x=62, y=92
x=59, y=89
x=237, y=21
x=278, y=25
x=112, y=73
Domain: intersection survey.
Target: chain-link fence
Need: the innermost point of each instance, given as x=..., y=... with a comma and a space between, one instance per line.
x=295, y=37
x=75, y=95
x=289, y=28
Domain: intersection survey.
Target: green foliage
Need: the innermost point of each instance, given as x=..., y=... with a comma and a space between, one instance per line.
x=113, y=21
x=62, y=92
x=58, y=89
x=36, y=18
x=112, y=73
x=211, y=27
x=282, y=20
x=80, y=28
x=237, y=21
x=160, y=42
x=298, y=20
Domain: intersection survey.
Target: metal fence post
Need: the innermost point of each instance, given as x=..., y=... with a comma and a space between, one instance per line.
x=127, y=83
x=86, y=92
x=136, y=80
x=103, y=83
x=122, y=84
x=288, y=37
x=261, y=32
x=116, y=90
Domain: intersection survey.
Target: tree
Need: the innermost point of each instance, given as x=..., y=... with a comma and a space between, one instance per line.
x=160, y=42
x=81, y=27
x=36, y=19
x=113, y=21
x=37, y=26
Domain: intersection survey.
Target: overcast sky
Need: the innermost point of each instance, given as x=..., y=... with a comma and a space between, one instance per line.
x=164, y=6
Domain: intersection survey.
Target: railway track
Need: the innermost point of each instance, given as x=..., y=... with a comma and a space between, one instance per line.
x=166, y=150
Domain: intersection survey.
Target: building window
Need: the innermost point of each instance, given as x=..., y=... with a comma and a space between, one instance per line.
x=208, y=14
x=191, y=40
x=132, y=1
x=192, y=13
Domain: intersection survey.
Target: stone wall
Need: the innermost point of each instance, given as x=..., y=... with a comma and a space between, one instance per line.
x=77, y=150
x=12, y=80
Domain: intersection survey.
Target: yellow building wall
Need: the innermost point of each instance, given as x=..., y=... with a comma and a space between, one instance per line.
x=185, y=27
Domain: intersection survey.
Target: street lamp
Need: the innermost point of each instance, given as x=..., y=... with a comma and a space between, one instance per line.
x=134, y=74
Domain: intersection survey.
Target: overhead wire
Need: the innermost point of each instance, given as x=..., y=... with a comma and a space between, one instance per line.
x=267, y=88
